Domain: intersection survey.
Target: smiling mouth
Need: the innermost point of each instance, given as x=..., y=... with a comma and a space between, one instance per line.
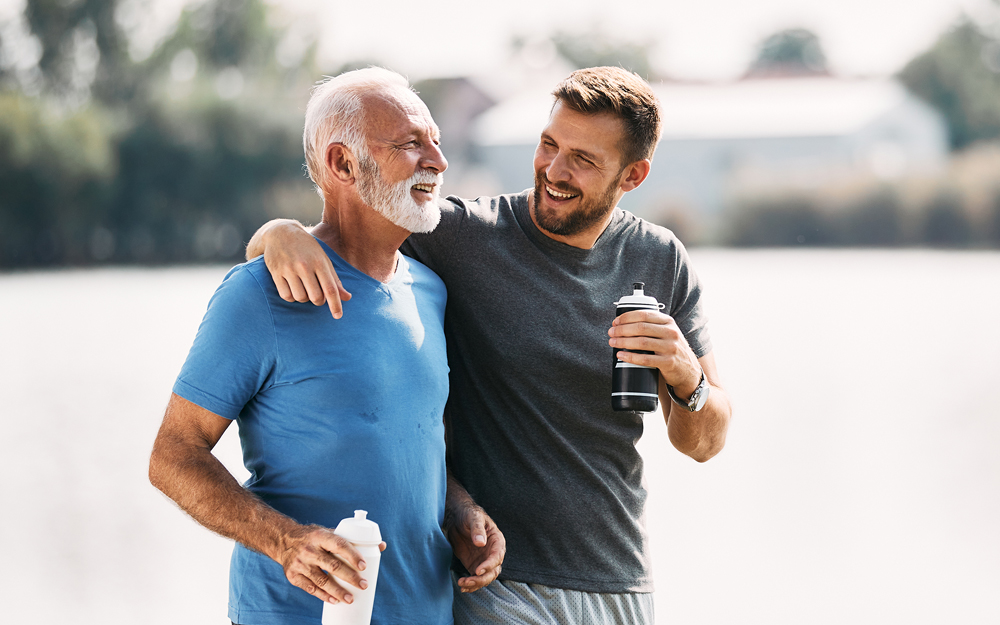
x=559, y=196
x=426, y=188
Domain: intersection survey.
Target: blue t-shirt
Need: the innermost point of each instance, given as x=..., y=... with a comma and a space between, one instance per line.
x=335, y=416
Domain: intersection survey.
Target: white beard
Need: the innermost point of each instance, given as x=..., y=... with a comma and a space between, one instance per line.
x=394, y=202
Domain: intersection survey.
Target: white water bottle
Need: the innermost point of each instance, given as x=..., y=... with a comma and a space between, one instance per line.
x=364, y=535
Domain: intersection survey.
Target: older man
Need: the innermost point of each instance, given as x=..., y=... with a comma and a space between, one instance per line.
x=333, y=415
x=532, y=435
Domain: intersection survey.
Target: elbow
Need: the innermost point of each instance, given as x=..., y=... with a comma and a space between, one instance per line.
x=153, y=472
x=702, y=456
x=157, y=469
x=704, y=451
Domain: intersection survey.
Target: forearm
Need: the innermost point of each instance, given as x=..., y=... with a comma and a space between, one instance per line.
x=256, y=245
x=702, y=434
x=475, y=539
x=456, y=500
x=195, y=479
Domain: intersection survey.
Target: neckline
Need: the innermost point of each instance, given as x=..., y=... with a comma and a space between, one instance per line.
x=519, y=205
x=397, y=275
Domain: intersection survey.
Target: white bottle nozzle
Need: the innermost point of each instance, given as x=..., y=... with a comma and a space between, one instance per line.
x=639, y=299
x=359, y=529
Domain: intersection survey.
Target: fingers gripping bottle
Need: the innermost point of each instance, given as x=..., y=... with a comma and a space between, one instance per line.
x=365, y=536
x=634, y=387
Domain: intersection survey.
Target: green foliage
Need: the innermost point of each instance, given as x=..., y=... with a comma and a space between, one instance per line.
x=783, y=221
x=879, y=218
x=148, y=169
x=791, y=52
x=594, y=48
x=72, y=31
x=946, y=223
x=992, y=229
x=225, y=33
x=176, y=186
x=875, y=220
x=38, y=147
x=960, y=76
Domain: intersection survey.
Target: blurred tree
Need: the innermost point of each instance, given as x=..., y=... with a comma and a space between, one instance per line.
x=992, y=230
x=960, y=76
x=83, y=47
x=143, y=166
x=6, y=73
x=946, y=223
x=194, y=170
x=42, y=222
x=225, y=33
x=781, y=221
x=791, y=52
x=594, y=48
x=875, y=219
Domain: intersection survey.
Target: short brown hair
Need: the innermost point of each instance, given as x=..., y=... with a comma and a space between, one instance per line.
x=619, y=92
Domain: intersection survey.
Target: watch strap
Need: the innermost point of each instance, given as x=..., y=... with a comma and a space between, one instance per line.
x=697, y=399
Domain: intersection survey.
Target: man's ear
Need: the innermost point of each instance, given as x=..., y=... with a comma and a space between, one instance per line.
x=340, y=162
x=634, y=174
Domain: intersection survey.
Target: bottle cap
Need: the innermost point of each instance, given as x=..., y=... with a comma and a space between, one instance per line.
x=359, y=530
x=638, y=298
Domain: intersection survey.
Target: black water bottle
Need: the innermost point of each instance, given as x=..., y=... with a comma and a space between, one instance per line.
x=634, y=387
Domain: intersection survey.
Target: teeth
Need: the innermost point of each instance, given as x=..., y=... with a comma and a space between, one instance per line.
x=424, y=187
x=555, y=193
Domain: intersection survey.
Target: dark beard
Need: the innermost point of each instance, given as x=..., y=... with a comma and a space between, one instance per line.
x=588, y=214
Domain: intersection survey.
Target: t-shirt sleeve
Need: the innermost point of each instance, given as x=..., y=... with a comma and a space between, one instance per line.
x=686, y=305
x=234, y=353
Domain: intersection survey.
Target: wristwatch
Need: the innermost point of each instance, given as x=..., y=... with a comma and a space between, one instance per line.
x=697, y=399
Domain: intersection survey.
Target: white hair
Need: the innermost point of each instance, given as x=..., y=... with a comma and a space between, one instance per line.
x=335, y=115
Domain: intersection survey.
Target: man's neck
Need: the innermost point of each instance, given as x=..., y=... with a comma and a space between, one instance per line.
x=365, y=239
x=584, y=240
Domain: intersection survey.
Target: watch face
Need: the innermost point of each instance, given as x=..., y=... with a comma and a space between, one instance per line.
x=698, y=398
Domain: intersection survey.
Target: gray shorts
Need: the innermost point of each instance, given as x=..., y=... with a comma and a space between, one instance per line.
x=516, y=603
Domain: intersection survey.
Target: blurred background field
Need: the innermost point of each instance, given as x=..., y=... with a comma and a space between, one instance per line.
x=143, y=141
x=859, y=483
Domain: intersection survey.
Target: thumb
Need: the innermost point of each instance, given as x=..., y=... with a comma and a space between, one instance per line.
x=477, y=529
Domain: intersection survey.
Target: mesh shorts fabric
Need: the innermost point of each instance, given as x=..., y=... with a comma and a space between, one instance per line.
x=516, y=603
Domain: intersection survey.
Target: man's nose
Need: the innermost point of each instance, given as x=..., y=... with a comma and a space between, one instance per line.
x=557, y=170
x=434, y=159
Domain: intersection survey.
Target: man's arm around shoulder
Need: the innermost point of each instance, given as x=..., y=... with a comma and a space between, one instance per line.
x=301, y=270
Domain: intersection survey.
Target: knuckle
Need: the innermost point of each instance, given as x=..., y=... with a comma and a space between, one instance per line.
x=341, y=542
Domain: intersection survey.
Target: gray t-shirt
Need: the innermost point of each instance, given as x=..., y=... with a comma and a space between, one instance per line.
x=531, y=432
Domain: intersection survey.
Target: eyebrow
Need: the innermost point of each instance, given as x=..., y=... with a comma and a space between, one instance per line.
x=590, y=155
x=432, y=132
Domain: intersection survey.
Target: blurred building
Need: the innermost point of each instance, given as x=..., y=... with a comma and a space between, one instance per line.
x=746, y=136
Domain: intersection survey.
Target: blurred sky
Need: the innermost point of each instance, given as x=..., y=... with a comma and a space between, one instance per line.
x=708, y=39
